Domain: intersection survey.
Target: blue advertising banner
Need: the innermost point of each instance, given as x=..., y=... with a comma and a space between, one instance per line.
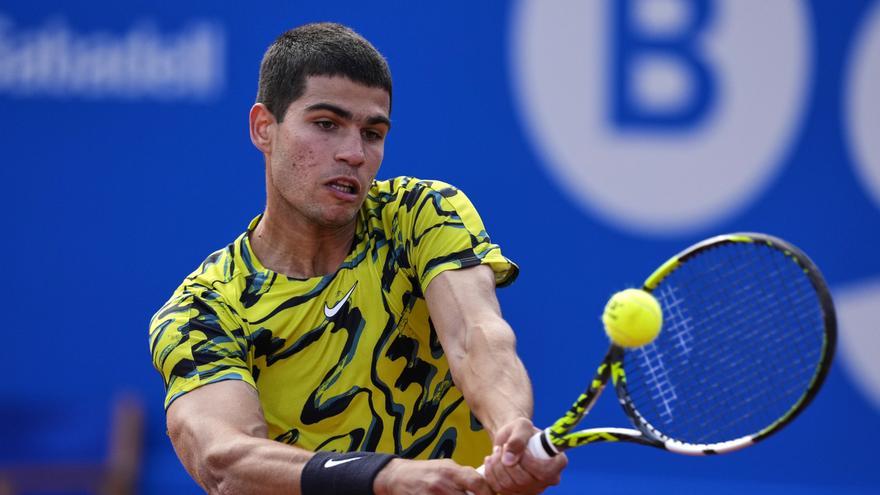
x=596, y=138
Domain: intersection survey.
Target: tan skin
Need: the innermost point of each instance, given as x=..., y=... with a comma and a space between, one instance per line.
x=320, y=161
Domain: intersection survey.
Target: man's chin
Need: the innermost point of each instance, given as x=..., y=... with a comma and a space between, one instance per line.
x=340, y=219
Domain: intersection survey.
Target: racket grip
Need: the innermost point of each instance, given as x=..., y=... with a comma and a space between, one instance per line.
x=540, y=447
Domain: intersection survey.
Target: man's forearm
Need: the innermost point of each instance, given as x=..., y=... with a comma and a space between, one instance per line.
x=220, y=435
x=491, y=376
x=242, y=464
x=480, y=346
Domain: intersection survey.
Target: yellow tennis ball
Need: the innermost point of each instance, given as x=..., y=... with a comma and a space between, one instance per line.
x=632, y=318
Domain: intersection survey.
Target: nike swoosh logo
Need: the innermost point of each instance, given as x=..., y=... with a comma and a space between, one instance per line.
x=331, y=312
x=333, y=462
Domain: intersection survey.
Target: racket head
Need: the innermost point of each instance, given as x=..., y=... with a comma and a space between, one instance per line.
x=748, y=337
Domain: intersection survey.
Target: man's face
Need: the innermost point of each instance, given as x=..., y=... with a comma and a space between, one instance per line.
x=327, y=151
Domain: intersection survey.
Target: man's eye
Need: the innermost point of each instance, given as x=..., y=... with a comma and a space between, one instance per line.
x=371, y=135
x=325, y=124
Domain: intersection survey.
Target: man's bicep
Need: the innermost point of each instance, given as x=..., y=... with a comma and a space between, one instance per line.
x=463, y=301
x=466, y=291
x=231, y=406
x=211, y=417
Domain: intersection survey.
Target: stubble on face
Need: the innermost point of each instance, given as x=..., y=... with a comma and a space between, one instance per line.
x=300, y=192
x=316, y=147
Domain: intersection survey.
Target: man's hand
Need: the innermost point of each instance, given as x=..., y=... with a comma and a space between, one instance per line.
x=437, y=477
x=510, y=469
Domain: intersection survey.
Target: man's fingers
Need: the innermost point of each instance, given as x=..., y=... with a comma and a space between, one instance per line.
x=511, y=455
x=516, y=441
x=511, y=470
x=434, y=477
x=509, y=479
x=522, y=479
x=547, y=471
x=498, y=479
x=475, y=484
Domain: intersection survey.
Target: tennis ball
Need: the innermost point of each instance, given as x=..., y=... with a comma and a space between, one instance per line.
x=632, y=318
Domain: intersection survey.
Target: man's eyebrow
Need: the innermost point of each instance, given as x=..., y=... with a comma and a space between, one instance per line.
x=380, y=120
x=345, y=114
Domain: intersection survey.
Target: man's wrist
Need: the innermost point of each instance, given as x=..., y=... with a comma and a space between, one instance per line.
x=351, y=473
x=383, y=478
x=507, y=423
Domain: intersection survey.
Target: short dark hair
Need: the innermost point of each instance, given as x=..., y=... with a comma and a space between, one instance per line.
x=319, y=49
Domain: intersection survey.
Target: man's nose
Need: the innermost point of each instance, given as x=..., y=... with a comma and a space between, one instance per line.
x=351, y=150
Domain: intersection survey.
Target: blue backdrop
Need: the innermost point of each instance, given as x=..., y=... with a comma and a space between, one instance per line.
x=631, y=129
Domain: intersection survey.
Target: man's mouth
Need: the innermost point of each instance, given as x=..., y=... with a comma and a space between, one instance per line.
x=343, y=186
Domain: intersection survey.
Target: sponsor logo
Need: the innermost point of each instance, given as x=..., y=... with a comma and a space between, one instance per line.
x=331, y=312
x=333, y=462
x=57, y=60
x=662, y=117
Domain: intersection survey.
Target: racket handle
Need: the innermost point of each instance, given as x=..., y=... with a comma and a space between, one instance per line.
x=540, y=447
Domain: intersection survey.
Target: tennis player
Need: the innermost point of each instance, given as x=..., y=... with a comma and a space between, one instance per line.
x=350, y=340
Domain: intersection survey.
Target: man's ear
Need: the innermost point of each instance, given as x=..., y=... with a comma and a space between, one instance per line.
x=262, y=126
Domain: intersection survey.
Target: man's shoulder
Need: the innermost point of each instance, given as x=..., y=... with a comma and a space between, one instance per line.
x=219, y=273
x=406, y=190
x=219, y=266
x=409, y=183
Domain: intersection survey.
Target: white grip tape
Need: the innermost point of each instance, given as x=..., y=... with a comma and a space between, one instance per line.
x=535, y=447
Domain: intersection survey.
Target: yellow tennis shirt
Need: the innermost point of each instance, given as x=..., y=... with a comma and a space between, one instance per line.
x=348, y=361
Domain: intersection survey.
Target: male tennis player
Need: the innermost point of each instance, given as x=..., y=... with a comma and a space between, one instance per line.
x=301, y=357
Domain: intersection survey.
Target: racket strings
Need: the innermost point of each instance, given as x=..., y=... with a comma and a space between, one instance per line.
x=775, y=342
x=740, y=390
x=741, y=342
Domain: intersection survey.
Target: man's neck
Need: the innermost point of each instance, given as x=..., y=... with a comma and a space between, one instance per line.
x=298, y=249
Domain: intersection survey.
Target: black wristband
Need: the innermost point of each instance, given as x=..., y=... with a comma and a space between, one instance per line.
x=352, y=473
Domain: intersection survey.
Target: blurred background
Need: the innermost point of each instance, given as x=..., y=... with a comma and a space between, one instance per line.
x=597, y=138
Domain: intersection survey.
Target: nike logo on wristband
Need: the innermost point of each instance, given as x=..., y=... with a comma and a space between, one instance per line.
x=331, y=312
x=333, y=462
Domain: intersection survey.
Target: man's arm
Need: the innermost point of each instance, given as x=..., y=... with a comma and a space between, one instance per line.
x=481, y=349
x=220, y=435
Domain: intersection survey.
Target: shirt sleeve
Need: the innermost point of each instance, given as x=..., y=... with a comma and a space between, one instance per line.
x=197, y=339
x=447, y=233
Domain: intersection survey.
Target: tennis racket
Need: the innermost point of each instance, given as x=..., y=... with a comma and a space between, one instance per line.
x=748, y=336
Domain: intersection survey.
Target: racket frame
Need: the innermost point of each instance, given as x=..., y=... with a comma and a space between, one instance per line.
x=559, y=436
